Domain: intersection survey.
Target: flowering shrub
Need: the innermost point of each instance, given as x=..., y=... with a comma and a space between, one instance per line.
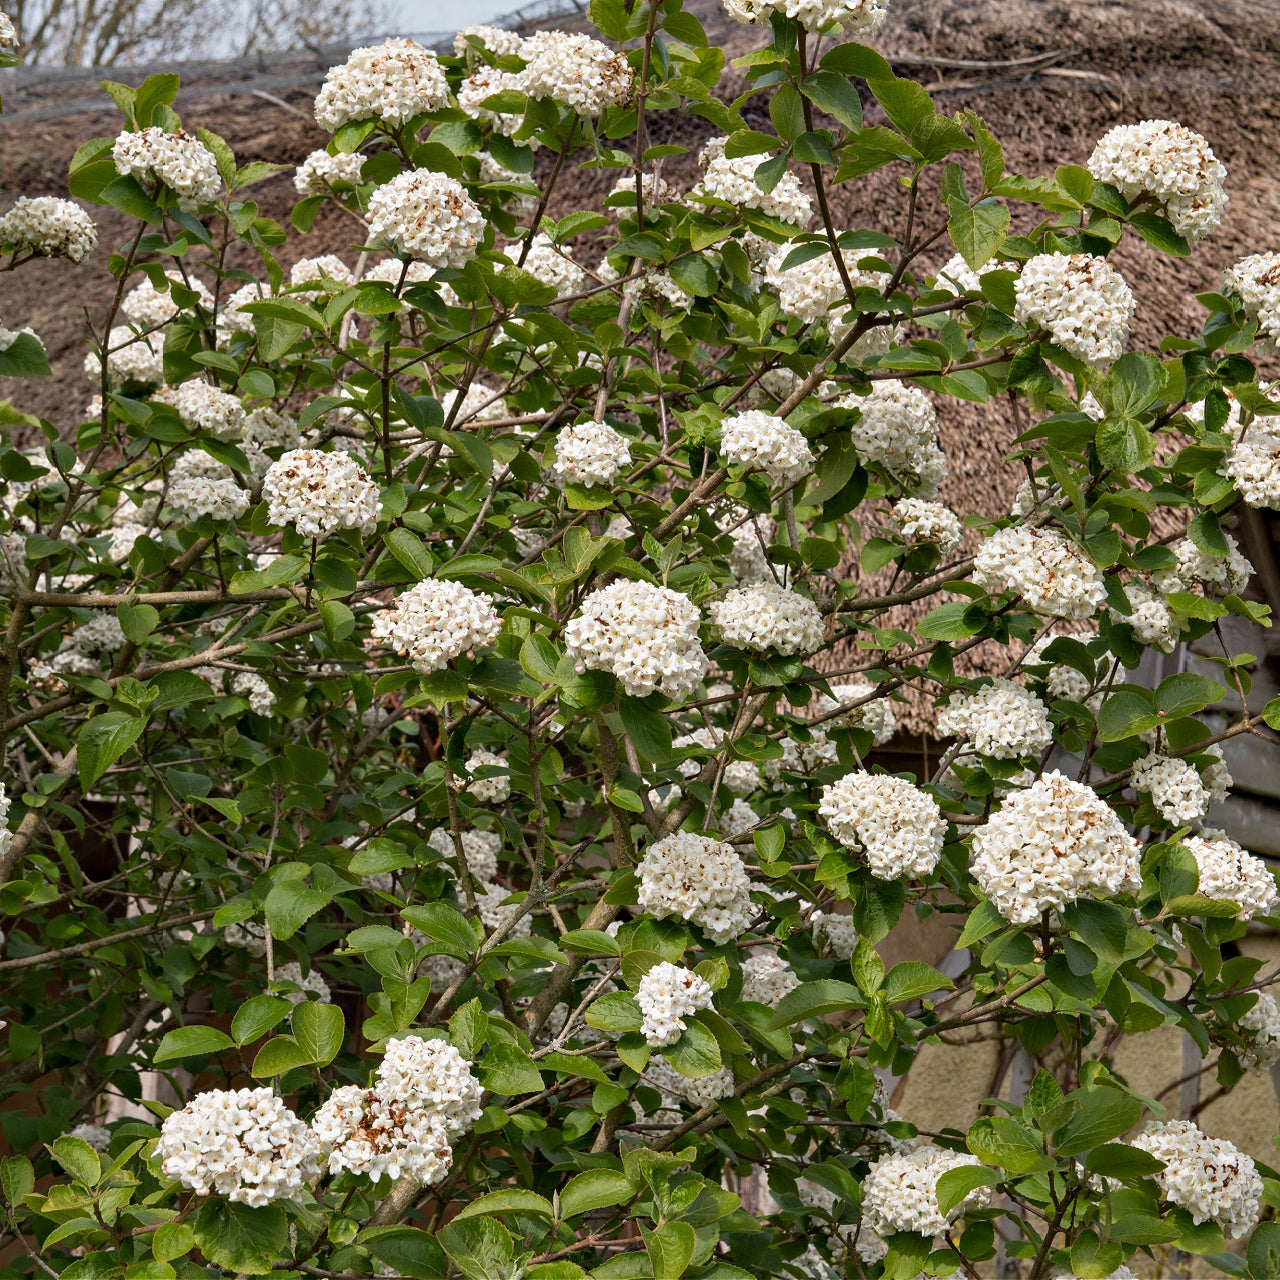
x=443, y=833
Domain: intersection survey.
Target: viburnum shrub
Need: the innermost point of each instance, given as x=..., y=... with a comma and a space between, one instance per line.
x=443, y=832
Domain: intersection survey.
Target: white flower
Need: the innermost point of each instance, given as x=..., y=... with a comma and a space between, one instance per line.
x=203, y=407
x=483, y=83
x=900, y=1193
x=552, y=265
x=1255, y=280
x=149, y=307
x=875, y=717
x=699, y=879
x=250, y=685
x=1062, y=681
x=750, y=533
x=575, y=71
x=1216, y=776
x=767, y=616
x=1230, y=874
x=654, y=187
x=495, y=40
x=738, y=819
x=1000, y=719
x=767, y=977
x=1050, y=844
x=898, y=430
x=245, y=1145
x=95, y=1135
x=1152, y=620
x=436, y=621
x=814, y=292
x=48, y=226
x=327, y=270
x=733, y=180
x=320, y=172
x=320, y=493
x=920, y=521
x=431, y=1075
x=1172, y=166
x=267, y=428
x=480, y=850
x=646, y=635
x=958, y=277
x=1253, y=465
x=1174, y=787
x=1082, y=302
x=495, y=911
x=1051, y=574
x=1208, y=1177
x=202, y=486
x=183, y=163
x=590, y=453
x=393, y=81
x=291, y=973
x=667, y=995
x=479, y=404
x=130, y=358
x=1261, y=1025
x=835, y=933
x=490, y=790
x=1215, y=576
x=757, y=439
x=427, y=216
x=231, y=320
x=898, y=828
x=709, y=1089
x=8, y=33
x=852, y=17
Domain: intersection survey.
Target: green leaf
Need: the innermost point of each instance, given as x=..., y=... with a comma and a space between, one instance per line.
x=509, y=1200
x=594, y=1189
x=446, y=925
x=696, y=1053
x=1013, y=1146
x=956, y=620
x=1125, y=714
x=1117, y=1160
x=1186, y=693
x=240, y=1239
x=589, y=942
x=281, y=570
x=137, y=621
x=813, y=999
x=409, y=1251
x=17, y=1177
x=103, y=740
x=912, y=979
x=648, y=729
x=670, y=1249
x=25, y=358
x=507, y=1069
x=277, y=1056
x=411, y=551
x=319, y=1029
x=978, y=232
x=290, y=905
x=1099, y=1113
x=1125, y=445
x=191, y=1042
x=956, y=1184
x=78, y=1158
x=853, y=59
x=481, y=1248
x=172, y=1240
x=831, y=92
x=257, y=1016
x=1092, y=1259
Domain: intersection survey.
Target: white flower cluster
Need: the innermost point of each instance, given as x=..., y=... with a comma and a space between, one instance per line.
x=9, y=336
x=575, y=71
x=1082, y=302
x=423, y=1098
x=231, y=319
x=1261, y=1028
x=1050, y=844
x=327, y=270
x=1230, y=874
x=244, y=1144
x=320, y=493
x=666, y=995
x=130, y=358
x=898, y=430
x=814, y=292
x=852, y=17
x=1253, y=465
x=709, y=1089
x=268, y=428
x=698, y=879
x=1198, y=570
x=750, y=534
x=1051, y=574
x=1175, y=788
x=480, y=851
x=801, y=757
x=203, y=407
x=767, y=978
x=654, y=187
x=202, y=486
x=1208, y=1177
x=734, y=182
x=390, y=270
x=490, y=790
x=590, y=453
x=767, y=616
x=427, y=216
x=1152, y=619
x=149, y=307
x=495, y=911
x=1000, y=719
x=957, y=276
x=48, y=226
x=183, y=163
x=496, y=40
x=95, y=1135
x=1171, y=166
x=320, y=172
x=1062, y=681
x=835, y=933
x=292, y=975
x=920, y=521
x=758, y=439
x=8, y=32
x=479, y=404
x=436, y=621
x=552, y=266
x=250, y=685
x=1255, y=280
x=900, y=1192
x=646, y=635
x=875, y=717
x=6, y=836
x=392, y=81
x=1216, y=776
x=898, y=828
x=484, y=83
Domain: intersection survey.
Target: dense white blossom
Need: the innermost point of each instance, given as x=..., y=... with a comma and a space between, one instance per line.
x=427, y=216
x=1153, y=620
x=244, y=1144
x=49, y=226
x=1252, y=464
x=260, y=695
x=920, y=521
x=667, y=995
x=268, y=428
x=1208, y=1177
x=1215, y=775
x=1061, y=681
x=436, y=621
x=852, y=17
x=733, y=180
x=130, y=358
x=1082, y=302
x=1174, y=168
x=957, y=276
x=898, y=430
x=1000, y=719
x=319, y=493
x=493, y=789
x=1260, y=1026
x=900, y=1192
x=898, y=828
x=552, y=265
x=759, y=440
x=645, y=634
x=183, y=163
x=495, y=911
x=1255, y=280
x=709, y=1089
x=150, y=308
x=750, y=533
x=1230, y=874
x=203, y=407
x=393, y=81
x=1050, y=844
x=327, y=270
x=483, y=83
x=291, y=974
x=698, y=879
x=1174, y=786
x=95, y=1135
x=654, y=187
x=835, y=933
x=766, y=616
x=1051, y=574
x=8, y=33
x=202, y=486
x=480, y=850
x=875, y=716
x=814, y=292
x=767, y=977
x=320, y=172
x=737, y=821
x=590, y=453
x=1200, y=572
x=431, y=1075
x=496, y=40
x=575, y=71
